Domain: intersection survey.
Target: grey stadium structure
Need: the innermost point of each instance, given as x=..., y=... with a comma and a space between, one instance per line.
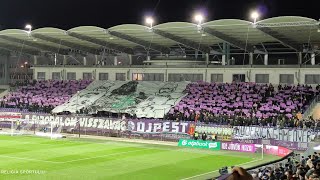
x=275, y=50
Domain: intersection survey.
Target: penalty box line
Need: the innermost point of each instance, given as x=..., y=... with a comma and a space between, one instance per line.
x=218, y=170
x=55, y=162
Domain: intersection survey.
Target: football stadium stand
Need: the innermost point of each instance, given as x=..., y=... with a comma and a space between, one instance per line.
x=262, y=101
x=136, y=98
x=238, y=82
x=42, y=96
x=218, y=103
x=294, y=167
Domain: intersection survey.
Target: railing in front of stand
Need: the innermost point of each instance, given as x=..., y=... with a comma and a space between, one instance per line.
x=271, y=163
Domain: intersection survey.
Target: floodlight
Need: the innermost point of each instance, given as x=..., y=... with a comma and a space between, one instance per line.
x=199, y=18
x=149, y=20
x=255, y=15
x=29, y=27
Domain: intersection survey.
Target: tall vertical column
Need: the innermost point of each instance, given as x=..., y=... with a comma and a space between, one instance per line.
x=130, y=59
x=266, y=59
x=115, y=61
x=250, y=58
x=96, y=59
x=224, y=54
x=55, y=59
x=84, y=61
x=313, y=59
x=196, y=53
x=35, y=60
x=4, y=69
x=300, y=58
x=64, y=62
x=223, y=59
x=228, y=52
x=207, y=58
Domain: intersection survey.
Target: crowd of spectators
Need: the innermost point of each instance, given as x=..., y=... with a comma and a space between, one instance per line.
x=42, y=96
x=296, y=168
x=245, y=104
x=235, y=104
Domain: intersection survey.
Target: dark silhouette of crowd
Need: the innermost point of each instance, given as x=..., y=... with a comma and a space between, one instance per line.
x=296, y=168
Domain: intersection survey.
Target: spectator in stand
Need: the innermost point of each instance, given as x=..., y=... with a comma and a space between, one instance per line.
x=42, y=96
x=245, y=104
x=196, y=135
x=204, y=136
x=294, y=169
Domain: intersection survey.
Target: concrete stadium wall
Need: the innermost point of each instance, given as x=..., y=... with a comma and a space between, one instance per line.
x=274, y=73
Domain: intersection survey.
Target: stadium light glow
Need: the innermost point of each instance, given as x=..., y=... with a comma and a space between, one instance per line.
x=255, y=15
x=199, y=18
x=149, y=21
x=29, y=27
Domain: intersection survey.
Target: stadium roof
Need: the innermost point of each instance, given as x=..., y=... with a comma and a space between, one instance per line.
x=292, y=32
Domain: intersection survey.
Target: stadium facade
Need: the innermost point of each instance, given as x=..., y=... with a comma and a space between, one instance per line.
x=276, y=50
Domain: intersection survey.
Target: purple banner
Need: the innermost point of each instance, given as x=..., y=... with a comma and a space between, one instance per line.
x=240, y=147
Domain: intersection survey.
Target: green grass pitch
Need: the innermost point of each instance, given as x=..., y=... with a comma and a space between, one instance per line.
x=35, y=158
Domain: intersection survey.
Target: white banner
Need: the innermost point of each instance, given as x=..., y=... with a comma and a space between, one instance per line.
x=292, y=135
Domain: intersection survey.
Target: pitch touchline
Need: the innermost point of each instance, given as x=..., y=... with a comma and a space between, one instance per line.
x=218, y=170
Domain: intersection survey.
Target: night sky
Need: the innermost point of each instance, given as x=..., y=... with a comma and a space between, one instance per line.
x=67, y=14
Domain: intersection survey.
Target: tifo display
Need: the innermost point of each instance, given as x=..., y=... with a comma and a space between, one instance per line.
x=224, y=103
x=231, y=117
x=42, y=96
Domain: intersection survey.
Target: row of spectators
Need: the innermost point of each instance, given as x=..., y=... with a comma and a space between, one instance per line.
x=42, y=96
x=296, y=168
x=235, y=104
x=245, y=104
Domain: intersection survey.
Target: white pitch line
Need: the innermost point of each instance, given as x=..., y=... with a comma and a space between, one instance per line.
x=29, y=159
x=55, y=162
x=126, y=152
x=218, y=170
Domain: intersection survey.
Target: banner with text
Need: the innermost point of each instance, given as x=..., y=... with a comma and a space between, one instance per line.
x=199, y=144
x=132, y=125
x=291, y=135
x=240, y=147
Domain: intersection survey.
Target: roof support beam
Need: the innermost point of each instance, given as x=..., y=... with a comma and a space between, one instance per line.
x=228, y=39
x=19, y=49
x=186, y=42
x=66, y=43
x=105, y=44
x=283, y=40
x=36, y=45
x=141, y=42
